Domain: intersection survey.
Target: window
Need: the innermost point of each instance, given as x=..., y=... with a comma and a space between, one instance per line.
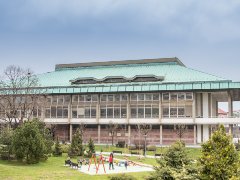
x=181, y=112
x=81, y=112
x=124, y=97
x=87, y=112
x=116, y=112
x=60, y=100
x=81, y=98
x=93, y=112
x=189, y=96
x=155, y=112
x=75, y=98
x=133, y=112
x=95, y=98
x=109, y=112
x=49, y=99
x=148, y=111
x=156, y=97
x=103, y=112
x=173, y=112
x=48, y=112
x=174, y=96
x=148, y=97
x=140, y=112
x=123, y=112
x=133, y=97
x=140, y=97
x=88, y=98
x=65, y=112
x=103, y=97
x=59, y=112
x=53, y=112
x=165, y=97
x=117, y=97
x=74, y=111
x=67, y=99
x=165, y=111
x=54, y=99
x=110, y=97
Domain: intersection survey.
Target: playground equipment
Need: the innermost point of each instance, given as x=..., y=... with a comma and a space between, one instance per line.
x=101, y=160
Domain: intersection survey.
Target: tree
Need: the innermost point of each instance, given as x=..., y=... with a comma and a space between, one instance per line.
x=219, y=159
x=91, y=147
x=57, y=149
x=144, y=129
x=175, y=164
x=19, y=96
x=76, y=148
x=29, y=142
x=112, y=129
x=180, y=130
x=6, y=142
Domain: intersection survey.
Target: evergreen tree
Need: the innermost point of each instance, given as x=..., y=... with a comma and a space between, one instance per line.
x=29, y=143
x=57, y=149
x=76, y=148
x=91, y=147
x=175, y=164
x=6, y=134
x=219, y=158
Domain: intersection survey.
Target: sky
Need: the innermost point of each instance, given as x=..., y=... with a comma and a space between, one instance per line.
x=204, y=35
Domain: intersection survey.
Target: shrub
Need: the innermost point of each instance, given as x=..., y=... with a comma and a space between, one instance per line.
x=151, y=148
x=120, y=144
x=65, y=148
x=91, y=147
x=122, y=177
x=132, y=147
x=76, y=148
x=57, y=149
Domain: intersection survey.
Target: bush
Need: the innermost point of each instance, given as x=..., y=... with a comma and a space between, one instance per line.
x=120, y=144
x=91, y=147
x=76, y=148
x=122, y=177
x=151, y=148
x=65, y=148
x=132, y=147
x=57, y=149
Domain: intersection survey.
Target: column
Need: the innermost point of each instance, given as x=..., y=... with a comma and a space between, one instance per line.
x=70, y=132
x=230, y=111
x=129, y=134
x=99, y=133
x=199, y=134
x=195, y=134
x=205, y=132
x=161, y=140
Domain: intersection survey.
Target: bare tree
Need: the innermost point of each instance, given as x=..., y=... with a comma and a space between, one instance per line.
x=180, y=130
x=112, y=129
x=144, y=129
x=20, y=95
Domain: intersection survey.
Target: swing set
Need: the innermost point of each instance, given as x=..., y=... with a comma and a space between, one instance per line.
x=101, y=160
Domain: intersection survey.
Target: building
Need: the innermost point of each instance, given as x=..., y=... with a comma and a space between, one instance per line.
x=161, y=92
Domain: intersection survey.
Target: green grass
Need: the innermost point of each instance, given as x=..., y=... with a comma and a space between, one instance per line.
x=53, y=168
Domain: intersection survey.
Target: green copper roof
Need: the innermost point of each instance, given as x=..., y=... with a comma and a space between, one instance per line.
x=173, y=72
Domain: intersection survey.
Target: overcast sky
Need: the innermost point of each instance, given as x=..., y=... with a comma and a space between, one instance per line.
x=204, y=35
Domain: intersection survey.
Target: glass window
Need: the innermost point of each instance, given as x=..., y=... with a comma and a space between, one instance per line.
x=181, y=96
x=65, y=112
x=156, y=97
x=59, y=112
x=103, y=112
x=87, y=112
x=109, y=112
x=81, y=112
x=60, y=100
x=155, y=112
x=123, y=112
x=116, y=112
x=81, y=98
x=67, y=99
x=74, y=111
x=94, y=97
x=103, y=97
x=133, y=112
x=75, y=98
x=49, y=99
x=124, y=97
x=117, y=97
x=110, y=97
x=133, y=97
x=148, y=97
x=140, y=97
x=88, y=98
x=165, y=111
x=189, y=96
x=53, y=112
x=140, y=112
x=173, y=112
x=47, y=113
x=181, y=112
x=148, y=111
x=93, y=112
x=174, y=96
x=54, y=99
x=165, y=96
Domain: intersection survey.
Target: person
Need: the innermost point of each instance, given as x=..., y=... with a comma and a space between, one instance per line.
x=126, y=164
x=111, y=161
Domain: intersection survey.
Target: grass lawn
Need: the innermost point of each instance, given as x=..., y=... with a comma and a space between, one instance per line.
x=53, y=168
